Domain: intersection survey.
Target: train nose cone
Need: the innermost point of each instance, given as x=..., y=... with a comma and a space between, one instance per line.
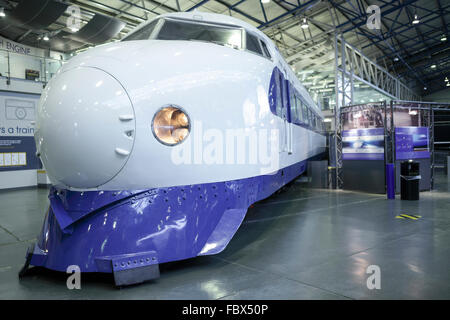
x=85, y=128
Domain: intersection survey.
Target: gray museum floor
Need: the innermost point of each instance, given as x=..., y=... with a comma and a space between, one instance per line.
x=298, y=244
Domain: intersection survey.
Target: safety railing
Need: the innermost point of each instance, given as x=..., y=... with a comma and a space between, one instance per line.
x=29, y=67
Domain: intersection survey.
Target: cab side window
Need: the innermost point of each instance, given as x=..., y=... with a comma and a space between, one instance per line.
x=144, y=33
x=253, y=44
x=266, y=51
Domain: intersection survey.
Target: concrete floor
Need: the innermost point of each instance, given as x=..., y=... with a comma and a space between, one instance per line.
x=298, y=244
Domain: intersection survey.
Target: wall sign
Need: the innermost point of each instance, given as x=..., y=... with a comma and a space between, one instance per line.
x=363, y=144
x=411, y=143
x=17, y=146
x=16, y=47
x=31, y=74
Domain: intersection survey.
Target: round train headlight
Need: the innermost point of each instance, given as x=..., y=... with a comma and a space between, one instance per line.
x=171, y=125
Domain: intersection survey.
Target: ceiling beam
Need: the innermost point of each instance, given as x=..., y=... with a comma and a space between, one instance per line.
x=441, y=12
x=233, y=8
x=359, y=26
x=305, y=6
x=93, y=9
x=197, y=5
x=386, y=11
x=156, y=3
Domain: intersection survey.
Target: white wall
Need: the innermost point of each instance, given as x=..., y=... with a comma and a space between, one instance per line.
x=42, y=177
x=21, y=85
x=18, y=179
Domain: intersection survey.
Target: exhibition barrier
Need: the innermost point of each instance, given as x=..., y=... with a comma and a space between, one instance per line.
x=412, y=139
x=363, y=135
x=376, y=138
x=20, y=61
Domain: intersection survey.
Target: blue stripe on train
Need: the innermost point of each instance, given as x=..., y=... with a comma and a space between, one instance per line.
x=174, y=223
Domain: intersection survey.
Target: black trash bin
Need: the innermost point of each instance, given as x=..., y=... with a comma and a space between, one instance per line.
x=409, y=180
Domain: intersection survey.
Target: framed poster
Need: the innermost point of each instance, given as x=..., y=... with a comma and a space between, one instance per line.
x=363, y=144
x=412, y=143
x=17, y=146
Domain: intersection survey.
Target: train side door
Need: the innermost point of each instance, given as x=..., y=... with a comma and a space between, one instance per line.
x=290, y=110
x=285, y=113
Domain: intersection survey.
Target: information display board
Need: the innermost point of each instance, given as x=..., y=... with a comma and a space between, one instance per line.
x=17, y=146
x=363, y=144
x=411, y=143
x=31, y=74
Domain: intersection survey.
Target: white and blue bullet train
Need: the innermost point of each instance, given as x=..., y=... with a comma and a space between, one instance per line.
x=156, y=145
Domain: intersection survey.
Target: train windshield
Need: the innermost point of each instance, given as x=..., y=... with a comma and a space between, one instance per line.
x=144, y=33
x=219, y=34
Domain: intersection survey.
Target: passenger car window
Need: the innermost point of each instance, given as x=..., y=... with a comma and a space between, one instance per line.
x=293, y=105
x=142, y=34
x=305, y=113
x=279, y=105
x=299, y=109
x=266, y=51
x=180, y=30
x=253, y=43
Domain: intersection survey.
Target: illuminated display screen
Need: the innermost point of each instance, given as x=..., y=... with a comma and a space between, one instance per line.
x=363, y=144
x=411, y=143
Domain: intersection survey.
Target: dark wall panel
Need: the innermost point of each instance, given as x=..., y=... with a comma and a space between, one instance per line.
x=364, y=175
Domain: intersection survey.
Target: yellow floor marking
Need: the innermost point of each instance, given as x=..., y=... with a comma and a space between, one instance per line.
x=408, y=216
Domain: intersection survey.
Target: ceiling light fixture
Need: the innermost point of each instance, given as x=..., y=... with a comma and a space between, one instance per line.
x=444, y=37
x=2, y=12
x=396, y=59
x=45, y=38
x=265, y=1
x=433, y=66
x=416, y=19
x=304, y=24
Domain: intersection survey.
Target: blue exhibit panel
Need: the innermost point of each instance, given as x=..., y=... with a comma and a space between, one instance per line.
x=411, y=143
x=363, y=144
x=18, y=153
x=17, y=146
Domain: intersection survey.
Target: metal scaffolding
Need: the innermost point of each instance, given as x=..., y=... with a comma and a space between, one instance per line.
x=426, y=112
x=382, y=107
x=352, y=65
